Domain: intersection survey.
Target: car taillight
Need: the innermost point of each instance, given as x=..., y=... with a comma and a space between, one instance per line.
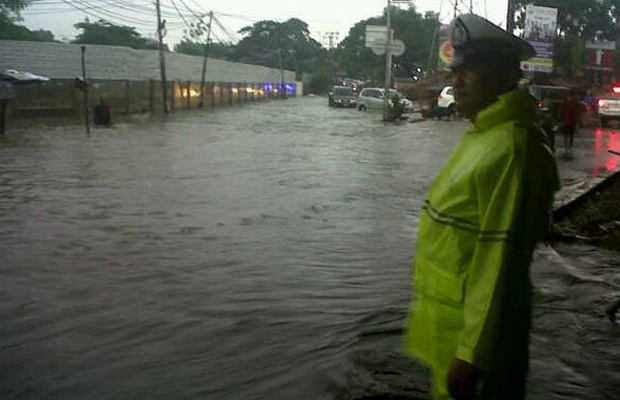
x=440, y=98
x=602, y=103
x=615, y=89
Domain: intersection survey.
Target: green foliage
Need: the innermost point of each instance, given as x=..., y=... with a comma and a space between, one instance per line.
x=286, y=45
x=186, y=46
x=321, y=80
x=11, y=31
x=10, y=8
x=216, y=50
x=103, y=32
x=415, y=30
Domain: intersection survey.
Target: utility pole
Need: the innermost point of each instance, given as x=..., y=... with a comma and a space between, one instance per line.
x=331, y=37
x=471, y=6
x=162, y=57
x=388, y=64
x=204, y=62
x=510, y=17
x=86, y=106
x=456, y=8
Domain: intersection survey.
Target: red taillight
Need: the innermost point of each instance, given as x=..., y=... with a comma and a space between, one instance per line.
x=601, y=103
x=615, y=89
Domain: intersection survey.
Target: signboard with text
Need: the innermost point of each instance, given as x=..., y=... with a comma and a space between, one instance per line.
x=374, y=32
x=540, y=30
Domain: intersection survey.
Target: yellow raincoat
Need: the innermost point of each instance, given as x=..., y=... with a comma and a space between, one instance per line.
x=484, y=213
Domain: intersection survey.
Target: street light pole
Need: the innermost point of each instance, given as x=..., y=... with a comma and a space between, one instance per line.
x=204, y=61
x=162, y=59
x=388, y=64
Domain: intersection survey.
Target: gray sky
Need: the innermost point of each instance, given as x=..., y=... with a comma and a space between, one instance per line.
x=323, y=16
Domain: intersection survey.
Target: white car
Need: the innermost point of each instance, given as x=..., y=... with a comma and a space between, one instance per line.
x=373, y=98
x=609, y=105
x=445, y=102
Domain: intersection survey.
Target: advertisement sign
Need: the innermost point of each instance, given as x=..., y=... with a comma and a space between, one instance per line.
x=446, y=51
x=540, y=30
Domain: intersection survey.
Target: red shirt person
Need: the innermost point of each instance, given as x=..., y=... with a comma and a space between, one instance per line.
x=570, y=110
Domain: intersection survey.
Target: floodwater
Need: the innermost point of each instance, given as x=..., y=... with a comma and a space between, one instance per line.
x=244, y=253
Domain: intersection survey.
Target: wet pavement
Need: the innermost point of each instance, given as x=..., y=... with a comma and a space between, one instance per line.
x=588, y=163
x=254, y=252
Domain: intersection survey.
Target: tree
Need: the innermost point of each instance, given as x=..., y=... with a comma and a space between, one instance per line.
x=415, y=30
x=187, y=46
x=10, y=30
x=11, y=8
x=286, y=45
x=196, y=48
x=103, y=32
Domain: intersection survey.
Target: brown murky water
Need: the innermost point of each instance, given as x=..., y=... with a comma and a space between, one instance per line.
x=247, y=253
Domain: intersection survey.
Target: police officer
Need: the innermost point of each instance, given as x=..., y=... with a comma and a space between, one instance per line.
x=482, y=218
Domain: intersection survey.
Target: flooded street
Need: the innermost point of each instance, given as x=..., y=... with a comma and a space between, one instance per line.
x=240, y=254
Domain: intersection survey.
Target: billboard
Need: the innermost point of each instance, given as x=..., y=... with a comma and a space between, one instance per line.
x=540, y=30
x=445, y=51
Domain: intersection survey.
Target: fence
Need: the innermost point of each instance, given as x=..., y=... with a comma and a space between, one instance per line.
x=62, y=98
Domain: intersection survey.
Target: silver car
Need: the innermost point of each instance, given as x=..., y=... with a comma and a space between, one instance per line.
x=373, y=98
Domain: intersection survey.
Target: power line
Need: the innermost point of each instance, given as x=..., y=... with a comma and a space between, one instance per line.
x=104, y=14
x=180, y=15
x=331, y=37
x=223, y=28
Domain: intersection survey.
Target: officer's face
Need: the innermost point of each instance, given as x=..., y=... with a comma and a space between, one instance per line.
x=475, y=88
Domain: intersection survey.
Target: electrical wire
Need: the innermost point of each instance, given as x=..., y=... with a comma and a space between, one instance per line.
x=181, y=15
x=223, y=28
x=98, y=13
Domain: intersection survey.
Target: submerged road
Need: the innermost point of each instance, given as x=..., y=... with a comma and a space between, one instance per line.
x=245, y=253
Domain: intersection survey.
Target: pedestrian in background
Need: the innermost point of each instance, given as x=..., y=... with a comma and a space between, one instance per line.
x=482, y=218
x=571, y=114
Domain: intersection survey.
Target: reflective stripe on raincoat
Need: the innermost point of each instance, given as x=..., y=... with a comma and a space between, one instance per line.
x=482, y=218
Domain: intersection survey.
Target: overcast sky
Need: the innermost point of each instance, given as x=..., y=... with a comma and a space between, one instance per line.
x=323, y=16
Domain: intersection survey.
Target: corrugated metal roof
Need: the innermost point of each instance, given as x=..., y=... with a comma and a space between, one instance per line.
x=63, y=61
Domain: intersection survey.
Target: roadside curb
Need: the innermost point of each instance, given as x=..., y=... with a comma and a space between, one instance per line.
x=564, y=207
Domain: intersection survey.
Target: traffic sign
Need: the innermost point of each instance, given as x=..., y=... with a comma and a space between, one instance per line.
x=397, y=47
x=374, y=32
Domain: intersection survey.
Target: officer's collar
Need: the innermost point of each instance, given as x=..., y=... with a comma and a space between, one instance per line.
x=515, y=104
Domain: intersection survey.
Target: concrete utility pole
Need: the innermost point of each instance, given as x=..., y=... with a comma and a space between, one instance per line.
x=204, y=62
x=388, y=64
x=331, y=37
x=162, y=58
x=86, y=105
x=510, y=16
